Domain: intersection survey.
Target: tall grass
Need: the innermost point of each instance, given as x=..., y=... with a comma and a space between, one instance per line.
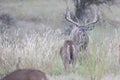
x=37, y=45
x=36, y=50
x=104, y=56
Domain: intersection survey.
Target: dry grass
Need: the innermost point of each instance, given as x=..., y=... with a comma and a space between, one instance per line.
x=37, y=44
x=33, y=47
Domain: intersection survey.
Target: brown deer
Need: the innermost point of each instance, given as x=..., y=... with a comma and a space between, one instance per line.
x=68, y=54
x=26, y=74
x=79, y=33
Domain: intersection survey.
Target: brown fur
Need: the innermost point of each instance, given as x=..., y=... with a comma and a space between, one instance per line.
x=68, y=54
x=26, y=74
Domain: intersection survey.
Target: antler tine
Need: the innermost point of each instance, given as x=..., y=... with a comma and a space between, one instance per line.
x=96, y=17
x=68, y=18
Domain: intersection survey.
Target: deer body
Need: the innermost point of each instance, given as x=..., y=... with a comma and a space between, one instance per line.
x=79, y=33
x=80, y=37
x=26, y=74
x=68, y=54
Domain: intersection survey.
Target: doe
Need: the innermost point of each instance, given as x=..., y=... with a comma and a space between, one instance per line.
x=68, y=54
x=26, y=74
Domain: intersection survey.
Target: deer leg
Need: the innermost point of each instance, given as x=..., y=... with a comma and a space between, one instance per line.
x=86, y=53
x=80, y=57
x=66, y=65
x=74, y=65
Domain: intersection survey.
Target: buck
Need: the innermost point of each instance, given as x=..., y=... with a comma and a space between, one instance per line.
x=68, y=54
x=26, y=74
x=79, y=33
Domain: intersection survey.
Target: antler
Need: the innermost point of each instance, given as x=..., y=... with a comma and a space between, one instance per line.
x=96, y=17
x=68, y=18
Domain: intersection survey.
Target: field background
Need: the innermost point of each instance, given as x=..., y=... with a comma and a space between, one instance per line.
x=36, y=38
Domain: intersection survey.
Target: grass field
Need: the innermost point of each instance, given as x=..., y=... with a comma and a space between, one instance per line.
x=36, y=39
